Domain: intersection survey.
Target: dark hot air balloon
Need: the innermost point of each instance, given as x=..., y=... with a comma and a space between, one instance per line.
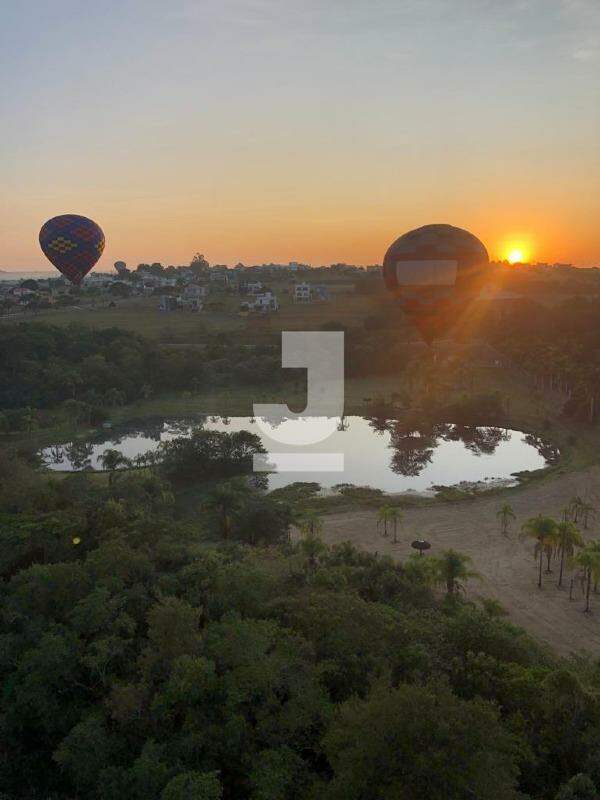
x=73, y=244
x=435, y=271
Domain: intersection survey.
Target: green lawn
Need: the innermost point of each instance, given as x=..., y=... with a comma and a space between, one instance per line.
x=141, y=315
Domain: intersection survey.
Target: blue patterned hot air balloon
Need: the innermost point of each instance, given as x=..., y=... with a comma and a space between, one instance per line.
x=73, y=244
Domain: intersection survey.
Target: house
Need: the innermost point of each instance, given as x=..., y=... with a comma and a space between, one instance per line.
x=321, y=293
x=21, y=293
x=168, y=303
x=191, y=304
x=302, y=293
x=194, y=291
x=263, y=303
x=255, y=287
x=219, y=275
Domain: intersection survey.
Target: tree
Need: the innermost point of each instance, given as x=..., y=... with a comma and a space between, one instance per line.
x=114, y=397
x=85, y=751
x=568, y=538
x=419, y=743
x=77, y=410
x=589, y=560
x=543, y=531
x=29, y=418
x=199, y=265
x=193, y=786
x=225, y=499
x=396, y=517
x=383, y=517
x=579, y=787
x=263, y=520
x=312, y=546
x=452, y=569
x=576, y=504
x=111, y=461
x=310, y=522
x=505, y=515
x=587, y=510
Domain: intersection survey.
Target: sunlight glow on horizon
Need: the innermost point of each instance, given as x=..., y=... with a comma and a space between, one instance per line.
x=316, y=132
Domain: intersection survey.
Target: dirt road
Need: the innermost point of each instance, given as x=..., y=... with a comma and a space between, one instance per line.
x=506, y=565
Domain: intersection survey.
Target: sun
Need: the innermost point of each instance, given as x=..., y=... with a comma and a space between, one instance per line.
x=515, y=256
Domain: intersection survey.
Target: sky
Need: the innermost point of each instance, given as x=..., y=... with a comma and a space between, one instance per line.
x=314, y=131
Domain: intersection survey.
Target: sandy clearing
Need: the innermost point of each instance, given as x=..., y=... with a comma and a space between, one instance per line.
x=507, y=566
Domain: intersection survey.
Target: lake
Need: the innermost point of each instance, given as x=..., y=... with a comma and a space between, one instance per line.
x=382, y=453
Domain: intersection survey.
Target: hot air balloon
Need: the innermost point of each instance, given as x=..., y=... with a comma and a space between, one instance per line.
x=435, y=272
x=73, y=244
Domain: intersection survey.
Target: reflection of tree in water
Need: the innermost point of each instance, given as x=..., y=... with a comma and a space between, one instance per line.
x=381, y=424
x=79, y=454
x=413, y=449
x=54, y=454
x=413, y=446
x=183, y=427
x=480, y=441
x=548, y=451
x=151, y=430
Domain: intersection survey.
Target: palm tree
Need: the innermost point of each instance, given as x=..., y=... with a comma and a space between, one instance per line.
x=383, y=517
x=543, y=530
x=396, y=517
x=589, y=560
x=569, y=538
x=225, y=499
x=586, y=509
x=30, y=419
x=312, y=546
x=505, y=514
x=453, y=568
x=310, y=522
x=114, y=397
x=576, y=504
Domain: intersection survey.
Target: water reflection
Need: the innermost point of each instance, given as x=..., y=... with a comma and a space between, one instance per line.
x=390, y=454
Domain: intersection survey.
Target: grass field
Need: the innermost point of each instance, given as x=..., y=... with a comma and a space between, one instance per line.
x=141, y=315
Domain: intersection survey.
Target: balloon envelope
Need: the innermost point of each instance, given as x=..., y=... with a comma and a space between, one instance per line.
x=434, y=271
x=73, y=244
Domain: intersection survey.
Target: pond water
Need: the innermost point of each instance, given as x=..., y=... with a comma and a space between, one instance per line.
x=384, y=454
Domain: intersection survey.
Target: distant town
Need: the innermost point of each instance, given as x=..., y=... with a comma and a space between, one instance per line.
x=261, y=288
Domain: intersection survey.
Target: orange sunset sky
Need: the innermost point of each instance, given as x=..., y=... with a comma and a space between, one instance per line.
x=256, y=130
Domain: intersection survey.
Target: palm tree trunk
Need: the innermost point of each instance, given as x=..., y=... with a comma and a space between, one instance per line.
x=224, y=522
x=395, y=531
x=562, y=562
x=541, y=565
x=587, y=591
